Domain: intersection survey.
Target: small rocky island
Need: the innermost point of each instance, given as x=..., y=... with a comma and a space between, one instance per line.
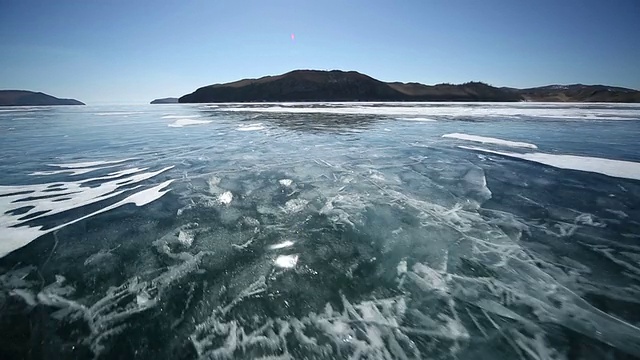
x=337, y=85
x=31, y=98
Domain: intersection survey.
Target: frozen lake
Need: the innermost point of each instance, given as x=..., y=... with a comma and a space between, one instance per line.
x=320, y=230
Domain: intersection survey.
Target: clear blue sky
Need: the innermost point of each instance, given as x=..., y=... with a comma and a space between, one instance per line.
x=138, y=50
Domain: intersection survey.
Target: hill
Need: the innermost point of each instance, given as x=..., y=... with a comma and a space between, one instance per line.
x=580, y=93
x=30, y=98
x=471, y=91
x=336, y=85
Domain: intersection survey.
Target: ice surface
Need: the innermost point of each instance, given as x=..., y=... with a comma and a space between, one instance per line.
x=610, y=167
x=325, y=237
x=489, y=140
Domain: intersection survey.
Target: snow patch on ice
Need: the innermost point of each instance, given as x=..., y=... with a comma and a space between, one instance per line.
x=428, y=279
x=615, y=168
x=188, y=122
x=88, y=164
x=181, y=116
x=251, y=127
x=286, y=261
x=419, y=119
x=118, y=113
x=225, y=198
x=589, y=219
x=40, y=202
x=281, y=245
x=295, y=205
x=489, y=140
x=416, y=119
x=185, y=238
x=402, y=267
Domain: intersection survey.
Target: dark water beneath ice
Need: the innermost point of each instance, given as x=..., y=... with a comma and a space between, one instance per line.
x=320, y=231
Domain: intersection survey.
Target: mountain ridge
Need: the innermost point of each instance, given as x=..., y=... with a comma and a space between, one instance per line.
x=338, y=85
x=581, y=93
x=32, y=98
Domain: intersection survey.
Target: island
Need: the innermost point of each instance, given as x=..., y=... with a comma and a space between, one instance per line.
x=169, y=100
x=31, y=98
x=337, y=85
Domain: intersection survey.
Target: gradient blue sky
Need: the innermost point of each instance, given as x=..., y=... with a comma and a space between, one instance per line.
x=137, y=50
